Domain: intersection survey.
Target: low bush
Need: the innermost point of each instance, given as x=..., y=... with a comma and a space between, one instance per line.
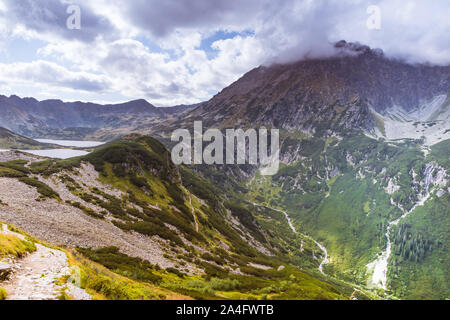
x=12, y=245
x=10, y=173
x=176, y=272
x=41, y=187
x=2, y=294
x=86, y=210
x=131, y=267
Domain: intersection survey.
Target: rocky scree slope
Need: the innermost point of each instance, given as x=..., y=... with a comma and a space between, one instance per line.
x=129, y=195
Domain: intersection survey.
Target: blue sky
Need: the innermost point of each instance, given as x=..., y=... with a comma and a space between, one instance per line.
x=184, y=51
x=19, y=49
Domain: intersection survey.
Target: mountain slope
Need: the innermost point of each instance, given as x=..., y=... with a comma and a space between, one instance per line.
x=323, y=96
x=361, y=194
x=127, y=201
x=345, y=193
x=9, y=139
x=429, y=122
x=75, y=120
x=364, y=152
x=38, y=271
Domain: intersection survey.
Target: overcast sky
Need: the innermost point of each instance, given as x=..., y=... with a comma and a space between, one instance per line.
x=184, y=51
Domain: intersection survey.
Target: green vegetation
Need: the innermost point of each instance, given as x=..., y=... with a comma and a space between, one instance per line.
x=349, y=212
x=262, y=284
x=86, y=210
x=142, y=169
x=420, y=263
x=247, y=219
x=3, y=294
x=133, y=268
x=44, y=190
x=441, y=153
x=105, y=284
x=198, y=185
x=11, y=140
x=289, y=283
x=17, y=169
x=144, y=153
x=49, y=167
x=97, y=280
x=14, y=246
x=10, y=173
x=13, y=169
x=335, y=193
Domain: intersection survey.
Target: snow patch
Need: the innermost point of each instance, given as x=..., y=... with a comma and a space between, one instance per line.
x=429, y=122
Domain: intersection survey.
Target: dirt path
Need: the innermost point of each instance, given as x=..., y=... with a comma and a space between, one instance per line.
x=35, y=276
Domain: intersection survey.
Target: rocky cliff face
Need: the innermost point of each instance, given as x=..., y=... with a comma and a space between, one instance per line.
x=325, y=95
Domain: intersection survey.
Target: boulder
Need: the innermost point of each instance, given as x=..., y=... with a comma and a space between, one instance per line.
x=5, y=271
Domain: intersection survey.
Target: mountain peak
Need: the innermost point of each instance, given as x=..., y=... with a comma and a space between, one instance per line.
x=139, y=102
x=326, y=95
x=143, y=101
x=356, y=48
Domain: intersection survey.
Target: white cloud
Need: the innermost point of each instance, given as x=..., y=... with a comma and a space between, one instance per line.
x=169, y=63
x=45, y=73
x=137, y=72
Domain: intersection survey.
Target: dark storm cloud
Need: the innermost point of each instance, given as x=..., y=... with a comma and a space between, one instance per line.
x=161, y=49
x=50, y=16
x=84, y=84
x=162, y=17
x=415, y=30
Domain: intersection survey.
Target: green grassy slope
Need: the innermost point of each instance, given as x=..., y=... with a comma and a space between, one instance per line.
x=142, y=169
x=421, y=260
x=349, y=212
x=420, y=264
x=11, y=140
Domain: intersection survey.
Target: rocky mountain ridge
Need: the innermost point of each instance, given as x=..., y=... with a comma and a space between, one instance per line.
x=49, y=118
x=324, y=96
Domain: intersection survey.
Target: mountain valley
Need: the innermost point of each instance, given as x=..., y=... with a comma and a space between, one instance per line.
x=359, y=208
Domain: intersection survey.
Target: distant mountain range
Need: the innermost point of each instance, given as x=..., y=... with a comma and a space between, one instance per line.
x=55, y=118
